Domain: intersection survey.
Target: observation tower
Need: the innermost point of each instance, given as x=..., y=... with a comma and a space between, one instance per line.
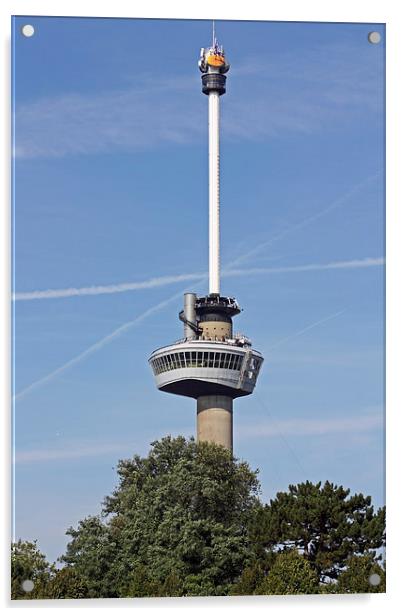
x=210, y=363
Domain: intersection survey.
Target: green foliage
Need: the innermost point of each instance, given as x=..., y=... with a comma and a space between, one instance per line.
x=28, y=563
x=173, y=586
x=140, y=584
x=251, y=577
x=66, y=583
x=324, y=523
x=184, y=509
x=91, y=552
x=291, y=574
x=356, y=577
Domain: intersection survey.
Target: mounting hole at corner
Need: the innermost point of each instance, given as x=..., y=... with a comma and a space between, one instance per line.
x=28, y=30
x=374, y=37
x=374, y=579
x=27, y=585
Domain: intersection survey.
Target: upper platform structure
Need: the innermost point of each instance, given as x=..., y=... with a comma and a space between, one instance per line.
x=209, y=360
x=213, y=65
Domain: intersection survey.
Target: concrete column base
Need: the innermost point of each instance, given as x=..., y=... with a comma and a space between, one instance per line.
x=215, y=420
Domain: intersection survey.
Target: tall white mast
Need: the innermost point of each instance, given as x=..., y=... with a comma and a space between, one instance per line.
x=213, y=65
x=214, y=205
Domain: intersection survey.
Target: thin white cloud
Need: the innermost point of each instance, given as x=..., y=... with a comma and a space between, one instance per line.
x=69, y=452
x=293, y=93
x=102, y=122
x=313, y=427
x=295, y=427
x=162, y=281
x=349, y=358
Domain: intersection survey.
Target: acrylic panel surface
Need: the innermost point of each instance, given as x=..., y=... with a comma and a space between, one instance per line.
x=110, y=227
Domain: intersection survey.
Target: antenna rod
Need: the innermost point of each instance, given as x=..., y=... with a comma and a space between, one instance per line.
x=213, y=66
x=214, y=196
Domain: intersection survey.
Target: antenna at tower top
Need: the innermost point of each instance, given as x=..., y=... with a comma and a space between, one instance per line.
x=213, y=34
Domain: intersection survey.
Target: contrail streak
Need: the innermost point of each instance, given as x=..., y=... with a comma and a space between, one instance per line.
x=353, y=264
x=155, y=282
x=168, y=280
x=306, y=221
x=368, y=262
x=96, y=347
x=103, y=289
x=306, y=329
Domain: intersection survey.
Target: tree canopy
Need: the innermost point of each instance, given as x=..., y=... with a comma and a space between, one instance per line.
x=183, y=510
x=291, y=574
x=187, y=520
x=361, y=575
x=30, y=571
x=324, y=522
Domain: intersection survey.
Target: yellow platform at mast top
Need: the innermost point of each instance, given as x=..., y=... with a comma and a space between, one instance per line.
x=215, y=59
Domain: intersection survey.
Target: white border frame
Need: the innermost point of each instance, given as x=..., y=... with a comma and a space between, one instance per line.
x=381, y=11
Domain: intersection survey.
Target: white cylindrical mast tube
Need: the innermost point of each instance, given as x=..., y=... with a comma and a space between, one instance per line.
x=214, y=256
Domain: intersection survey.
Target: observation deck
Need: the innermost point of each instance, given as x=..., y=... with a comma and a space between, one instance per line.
x=196, y=367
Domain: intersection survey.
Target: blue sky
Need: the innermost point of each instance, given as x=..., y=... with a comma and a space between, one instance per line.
x=111, y=196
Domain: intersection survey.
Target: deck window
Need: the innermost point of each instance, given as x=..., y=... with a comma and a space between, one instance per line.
x=202, y=359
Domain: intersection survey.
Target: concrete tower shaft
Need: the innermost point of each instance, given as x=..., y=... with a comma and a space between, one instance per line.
x=210, y=364
x=215, y=420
